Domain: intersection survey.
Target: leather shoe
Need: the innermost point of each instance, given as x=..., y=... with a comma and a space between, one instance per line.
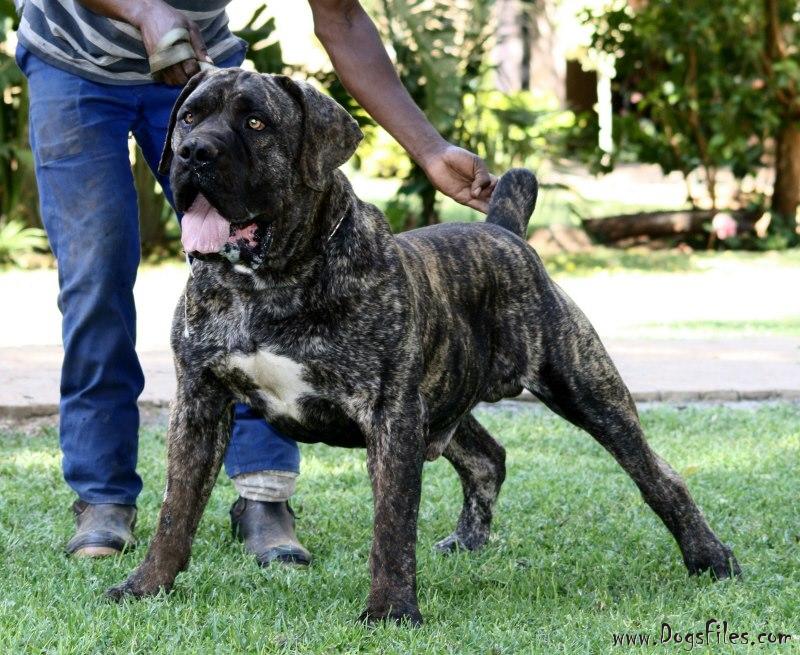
x=267, y=530
x=102, y=529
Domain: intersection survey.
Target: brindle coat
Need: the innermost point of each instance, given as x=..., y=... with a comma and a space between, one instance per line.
x=340, y=332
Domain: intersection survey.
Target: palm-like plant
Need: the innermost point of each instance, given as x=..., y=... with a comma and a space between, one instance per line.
x=16, y=239
x=17, y=187
x=441, y=54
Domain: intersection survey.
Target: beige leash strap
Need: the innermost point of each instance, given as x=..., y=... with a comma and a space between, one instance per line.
x=173, y=48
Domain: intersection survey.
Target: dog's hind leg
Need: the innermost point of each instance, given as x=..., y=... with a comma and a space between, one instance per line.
x=481, y=464
x=577, y=379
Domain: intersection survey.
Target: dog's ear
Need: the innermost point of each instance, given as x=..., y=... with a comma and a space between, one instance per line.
x=330, y=134
x=166, y=153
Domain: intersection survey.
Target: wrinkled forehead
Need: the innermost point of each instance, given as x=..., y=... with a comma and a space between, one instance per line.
x=238, y=90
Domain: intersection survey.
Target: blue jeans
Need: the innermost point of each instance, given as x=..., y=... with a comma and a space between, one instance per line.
x=79, y=137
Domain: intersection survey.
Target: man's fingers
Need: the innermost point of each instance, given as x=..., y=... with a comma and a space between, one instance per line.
x=199, y=46
x=175, y=76
x=482, y=189
x=489, y=190
x=190, y=68
x=167, y=76
x=485, y=193
x=481, y=205
x=482, y=180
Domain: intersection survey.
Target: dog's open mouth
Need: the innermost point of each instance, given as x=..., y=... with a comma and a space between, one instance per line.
x=204, y=231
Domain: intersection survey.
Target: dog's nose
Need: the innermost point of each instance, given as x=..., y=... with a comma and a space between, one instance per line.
x=196, y=151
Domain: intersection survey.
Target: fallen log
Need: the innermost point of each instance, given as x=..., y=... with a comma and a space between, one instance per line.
x=661, y=224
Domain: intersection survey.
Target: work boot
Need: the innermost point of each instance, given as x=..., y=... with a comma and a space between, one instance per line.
x=102, y=529
x=267, y=530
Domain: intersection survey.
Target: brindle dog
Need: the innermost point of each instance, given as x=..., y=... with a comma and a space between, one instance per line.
x=316, y=315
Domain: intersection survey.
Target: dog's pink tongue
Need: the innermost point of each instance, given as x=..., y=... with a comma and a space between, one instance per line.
x=203, y=228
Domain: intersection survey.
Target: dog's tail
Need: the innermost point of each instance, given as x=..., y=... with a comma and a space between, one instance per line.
x=514, y=200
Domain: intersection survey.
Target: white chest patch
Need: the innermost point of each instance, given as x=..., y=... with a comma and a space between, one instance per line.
x=279, y=379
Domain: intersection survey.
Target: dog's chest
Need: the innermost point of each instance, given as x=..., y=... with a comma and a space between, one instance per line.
x=275, y=379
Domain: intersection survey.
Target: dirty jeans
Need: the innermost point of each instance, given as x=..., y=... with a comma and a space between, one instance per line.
x=79, y=137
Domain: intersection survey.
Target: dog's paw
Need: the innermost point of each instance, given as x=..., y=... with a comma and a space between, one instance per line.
x=120, y=592
x=456, y=542
x=720, y=563
x=135, y=587
x=403, y=615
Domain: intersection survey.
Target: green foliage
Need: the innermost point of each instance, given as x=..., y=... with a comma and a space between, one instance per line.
x=708, y=88
x=16, y=239
x=263, y=49
x=689, y=84
x=17, y=186
x=440, y=52
x=442, y=56
x=781, y=59
x=512, y=129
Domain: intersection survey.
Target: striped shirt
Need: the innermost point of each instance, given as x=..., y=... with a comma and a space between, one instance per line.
x=71, y=37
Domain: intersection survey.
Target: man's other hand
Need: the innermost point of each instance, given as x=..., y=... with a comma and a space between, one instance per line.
x=460, y=175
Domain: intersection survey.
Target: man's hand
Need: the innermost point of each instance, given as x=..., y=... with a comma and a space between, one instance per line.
x=461, y=175
x=158, y=19
x=360, y=60
x=154, y=18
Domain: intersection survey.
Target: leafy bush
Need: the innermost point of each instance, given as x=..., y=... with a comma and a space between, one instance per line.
x=708, y=87
x=513, y=129
x=262, y=47
x=18, y=201
x=442, y=54
x=688, y=85
x=16, y=239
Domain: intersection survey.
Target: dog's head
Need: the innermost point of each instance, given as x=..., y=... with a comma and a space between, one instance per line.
x=248, y=155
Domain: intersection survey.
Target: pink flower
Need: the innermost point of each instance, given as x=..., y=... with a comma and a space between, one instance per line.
x=724, y=226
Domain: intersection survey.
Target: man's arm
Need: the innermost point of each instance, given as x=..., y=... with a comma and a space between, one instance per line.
x=154, y=18
x=351, y=40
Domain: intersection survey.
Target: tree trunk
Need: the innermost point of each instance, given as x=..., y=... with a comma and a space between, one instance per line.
x=786, y=195
x=660, y=224
x=525, y=40
x=429, y=214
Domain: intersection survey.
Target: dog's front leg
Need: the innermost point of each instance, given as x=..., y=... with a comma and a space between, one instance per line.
x=198, y=435
x=395, y=454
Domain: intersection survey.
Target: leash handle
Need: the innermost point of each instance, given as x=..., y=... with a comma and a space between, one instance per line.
x=173, y=48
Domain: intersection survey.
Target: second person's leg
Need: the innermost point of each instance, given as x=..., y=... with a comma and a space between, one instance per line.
x=79, y=137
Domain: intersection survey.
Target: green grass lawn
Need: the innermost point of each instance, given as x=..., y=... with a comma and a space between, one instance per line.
x=602, y=259
x=788, y=327
x=575, y=557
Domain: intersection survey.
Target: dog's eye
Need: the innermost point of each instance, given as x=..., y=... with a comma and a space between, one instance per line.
x=255, y=124
x=188, y=118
